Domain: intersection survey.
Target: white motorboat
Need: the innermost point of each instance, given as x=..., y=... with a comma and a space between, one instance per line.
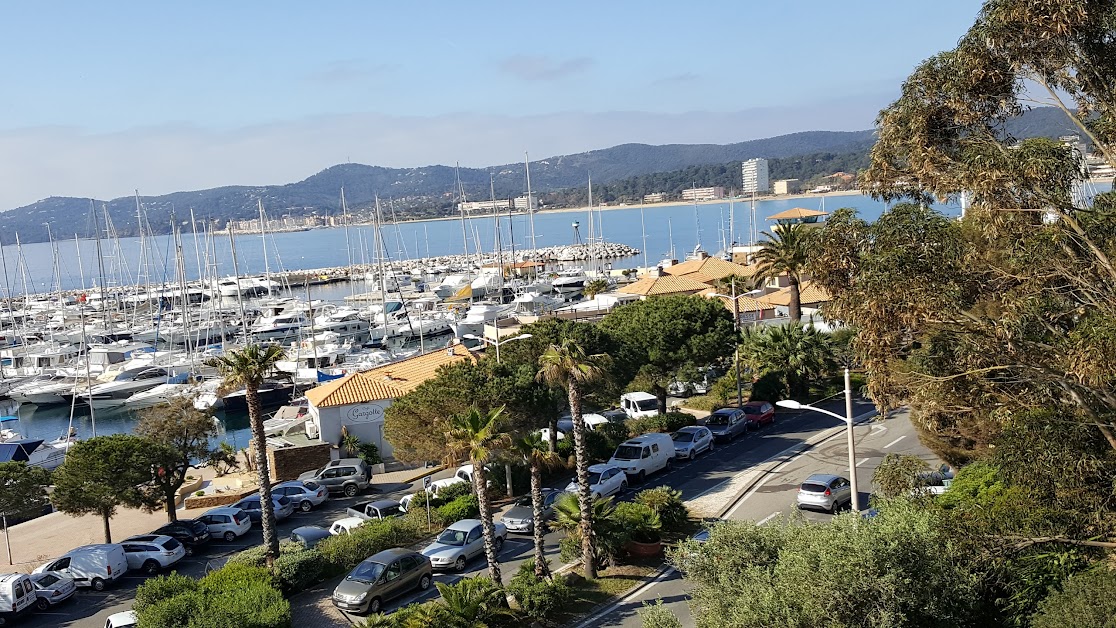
x=46, y=389
x=114, y=393
x=157, y=395
x=278, y=328
x=452, y=284
x=569, y=280
x=477, y=315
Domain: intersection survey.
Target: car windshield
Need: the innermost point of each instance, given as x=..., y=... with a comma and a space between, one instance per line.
x=524, y=502
x=594, y=478
x=310, y=486
x=683, y=437
x=628, y=452
x=717, y=418
x=171, y=544
x=752, y=410
x=648, y=404
x=452, y=537
x=366, y=572
x=810, y=487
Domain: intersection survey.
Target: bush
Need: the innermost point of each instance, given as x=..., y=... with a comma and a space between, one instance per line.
x=898, y=475
x=566, y=448
x=235, y=595
x=300, y=570
x=669, y=422
x=769, y=387
x=1086, y=599
x=369, y=453
x=156, y=590
x=345, y=551
x=615, y=433
x=464, y=507
x=598, y=447
x=539, y=599
x=667, y=503
x=173, y=612
x=417, y=517
x=635, y=522
x=452, y=492
x=658, y=616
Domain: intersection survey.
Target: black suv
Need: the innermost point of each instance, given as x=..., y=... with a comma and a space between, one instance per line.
x=190, y=532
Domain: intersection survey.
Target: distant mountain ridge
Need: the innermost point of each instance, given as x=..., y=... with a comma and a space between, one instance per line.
x=430, y=190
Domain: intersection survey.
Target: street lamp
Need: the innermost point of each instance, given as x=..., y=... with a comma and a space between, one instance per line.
x=791, y=404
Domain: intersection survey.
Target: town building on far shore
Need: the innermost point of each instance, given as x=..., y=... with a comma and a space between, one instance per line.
x=786, y=186
x=703, y=194
x=755, y=176
x=523, y=204
x=654, y=197
x=499, y=204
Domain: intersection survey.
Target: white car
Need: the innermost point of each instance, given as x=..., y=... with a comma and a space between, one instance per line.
x=226, y=523
x=345, y=526
x=604, y=480
x=127, y=619
x=52, y=587
x=691, y=441
x=152, y=552
x=306, y=494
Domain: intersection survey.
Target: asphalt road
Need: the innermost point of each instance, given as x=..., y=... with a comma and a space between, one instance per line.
x=773, y=499
x=91, y=609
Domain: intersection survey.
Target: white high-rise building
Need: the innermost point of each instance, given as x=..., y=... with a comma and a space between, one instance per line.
x=755, y=176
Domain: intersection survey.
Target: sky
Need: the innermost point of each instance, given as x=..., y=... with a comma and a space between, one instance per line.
x=100, y=98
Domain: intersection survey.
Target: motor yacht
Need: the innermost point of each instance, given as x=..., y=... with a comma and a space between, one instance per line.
x=114, y=393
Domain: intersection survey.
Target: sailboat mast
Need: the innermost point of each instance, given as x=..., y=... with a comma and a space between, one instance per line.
x=263, y=240
x=496, y=237
x=348, y=247
x=7, y=285
x=197, y=248
x=643, y=228
x=531, y=207
x=100, y=255
x=236, y=277
x=378, y=251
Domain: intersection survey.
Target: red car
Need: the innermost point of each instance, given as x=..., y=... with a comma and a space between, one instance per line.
x=759, y=413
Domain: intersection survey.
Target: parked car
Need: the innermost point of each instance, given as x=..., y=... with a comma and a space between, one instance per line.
x=375, y=510
x=381, y=577
x=345, y=526
x=643, y=455
x=17, y=596
x=309, y=536
x=90, y=565
x=604, y=480
x=639, y=404
x=283, y=507
x=825, y=491
x=306, y=494
x=152, y=552
x=52, y=587
x=346, y=475
x=191, y=533
x=759, y=413
x=521, y=516
x=226, y=522
x=727, y=423
x=692, y=440
x=459, y=543
x=592, y=422
x=127, y=619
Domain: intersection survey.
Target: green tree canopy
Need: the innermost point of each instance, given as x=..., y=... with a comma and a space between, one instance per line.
x=671, y=333
x=103, y=473
x=22, y=489
x=185, y=431
x=797, y=355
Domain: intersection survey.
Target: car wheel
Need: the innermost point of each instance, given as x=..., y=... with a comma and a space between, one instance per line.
x=692, y=455
x=305, y=506
x=499, y=544
x=641, y=478
x=230, y=536
x=98, y=584
x=623, y=486
x=151, y=567
x=669, y=465
x=189, y=551
x=350, y=490
x=3, y=621
x=374, y=606
x=42, y=604
x=424, y=582
x=459, y=564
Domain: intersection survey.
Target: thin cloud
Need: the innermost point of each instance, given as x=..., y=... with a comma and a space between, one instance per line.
x=348, y=71
x=677, y=79
x=542, y=68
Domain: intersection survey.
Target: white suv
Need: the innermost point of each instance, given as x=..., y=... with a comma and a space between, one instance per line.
x=152, y=552
x=226, y=523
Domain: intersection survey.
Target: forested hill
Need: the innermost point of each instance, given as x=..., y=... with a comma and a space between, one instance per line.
x=429, y=191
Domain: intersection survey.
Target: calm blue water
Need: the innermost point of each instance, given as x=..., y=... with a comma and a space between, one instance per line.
x=322, y=248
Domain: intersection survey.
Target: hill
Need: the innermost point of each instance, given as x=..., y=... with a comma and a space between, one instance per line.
x=429, y=191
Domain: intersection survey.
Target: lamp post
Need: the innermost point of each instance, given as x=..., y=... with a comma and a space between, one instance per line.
x=736, y=328
x=848, y=419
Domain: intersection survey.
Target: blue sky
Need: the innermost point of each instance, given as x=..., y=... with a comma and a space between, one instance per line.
x=101, y=98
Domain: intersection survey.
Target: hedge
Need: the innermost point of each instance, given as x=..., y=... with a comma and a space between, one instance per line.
x=236, y=595
x=669, y=422
x=345, y=551
x=464, y=507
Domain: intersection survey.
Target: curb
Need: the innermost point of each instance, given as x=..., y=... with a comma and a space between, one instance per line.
x=652, y=579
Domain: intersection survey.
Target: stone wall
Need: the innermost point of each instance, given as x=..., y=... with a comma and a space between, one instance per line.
x=213, y=500
x=287, y=463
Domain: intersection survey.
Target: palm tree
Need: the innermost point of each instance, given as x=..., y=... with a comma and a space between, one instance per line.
x=800, y=354
x=566, y=365
x=594, y=287
x=786, y=252
x=569, y=518
x=537, y=456
x=476, y=436
x=248, y=367
x=474, y=603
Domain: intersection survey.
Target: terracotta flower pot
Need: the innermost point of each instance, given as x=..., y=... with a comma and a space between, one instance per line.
x=635, y=548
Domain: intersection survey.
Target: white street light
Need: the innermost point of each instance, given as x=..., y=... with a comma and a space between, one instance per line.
x=791, y=404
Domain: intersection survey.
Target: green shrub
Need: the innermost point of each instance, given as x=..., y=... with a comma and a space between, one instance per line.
x=597, y=446
x=636, y=522
x=569, y=547
x=235, y=595
x=301, y=569
x=233, y=576
x=369, y=453
x=539, y=599
x=613, y=432
x=154, y=590
x=453, y=491
x=669, y=422
x=1086, y=599
x=668, y=505
x=658, y=616
x=345, y=551
x=178, y=611
x=417, y=517
x=566, y=448
x=674, y=421
x=769, y=387
x=254, y=605
x=464, y=507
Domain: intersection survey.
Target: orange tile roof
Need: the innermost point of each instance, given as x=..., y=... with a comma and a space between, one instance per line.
x=385, y=382
x=655, y=286
x=797, y=213
x=809, y=291
x=746, y=304
x=709, y=269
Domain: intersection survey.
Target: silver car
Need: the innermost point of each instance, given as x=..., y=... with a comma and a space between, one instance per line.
x=691, y=441
x=381, y=577
x=282, y=506
x=520, y=517
x=825, y=491
x=461, y=542
x=306, y=494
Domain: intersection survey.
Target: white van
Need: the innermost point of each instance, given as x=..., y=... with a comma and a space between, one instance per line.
x=643, y=455
x=17, y=594
x=639, y=404
x=91, y=565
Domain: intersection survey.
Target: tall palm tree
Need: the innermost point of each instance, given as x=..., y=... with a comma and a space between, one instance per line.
x=248, y=367
x=801, y=354
x=476, y=437
x=594, y=287
x=568, y=366
x=786, y=251
x=537, y=455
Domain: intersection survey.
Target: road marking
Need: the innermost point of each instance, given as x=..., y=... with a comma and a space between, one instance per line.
x=895, y=441
x=768, y=518
x=862, y=462
x=877, y=429
x=755, y=489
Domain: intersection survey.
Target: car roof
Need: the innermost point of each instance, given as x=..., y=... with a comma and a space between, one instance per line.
x=464, y=524
x=299, y=483
x=384, y=503
x=600, y=468
x=728, y=410
x=692, y=428
x=822, y=478
x=223, y=510
x=639, y=396
x=311, y=530
x=389, y=554
x=643, y=439
x=149, y=538
x=755, y=403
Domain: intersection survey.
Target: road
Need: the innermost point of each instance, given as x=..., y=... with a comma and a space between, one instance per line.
x=772, y=499
x=709, y=471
